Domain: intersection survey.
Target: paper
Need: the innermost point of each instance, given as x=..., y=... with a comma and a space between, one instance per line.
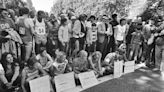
x=129, y=67
x=88, y=79
x=118, y=69
x=64, y=82
x=41, y=84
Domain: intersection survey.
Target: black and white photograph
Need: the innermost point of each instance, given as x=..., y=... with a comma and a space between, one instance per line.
x=81, y=45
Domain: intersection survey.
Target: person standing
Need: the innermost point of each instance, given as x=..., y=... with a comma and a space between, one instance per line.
x=26, y=30
x=114, y=23
x=41, y=30
x=148, y=33
x=121, y=31
x=101, y=36
x=63, y=35
x=79, y=32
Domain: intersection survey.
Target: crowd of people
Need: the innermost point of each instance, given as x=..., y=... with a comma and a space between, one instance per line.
x=34, y=45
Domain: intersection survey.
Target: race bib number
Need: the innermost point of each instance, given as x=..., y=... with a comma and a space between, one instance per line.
x=41, y=31
x=22, y=31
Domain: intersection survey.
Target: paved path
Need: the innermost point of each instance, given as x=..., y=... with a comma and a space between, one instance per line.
x=142, y=80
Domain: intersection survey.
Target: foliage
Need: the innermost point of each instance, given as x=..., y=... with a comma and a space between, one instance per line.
x=94, y=7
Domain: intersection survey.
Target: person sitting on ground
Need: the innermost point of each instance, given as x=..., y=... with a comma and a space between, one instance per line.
x=45, y=60
x=32, y=71
x=95, y=63
x=80, y=64
x=10, y=75
x=61, y=64
x=109, y=60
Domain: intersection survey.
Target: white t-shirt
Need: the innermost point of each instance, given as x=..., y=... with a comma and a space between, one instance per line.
x=121, y=30
x=63, y=34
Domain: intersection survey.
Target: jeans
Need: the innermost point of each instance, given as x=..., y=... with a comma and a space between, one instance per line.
x=27, y=50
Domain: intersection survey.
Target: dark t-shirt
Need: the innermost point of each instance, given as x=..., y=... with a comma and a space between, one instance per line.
x=114, y=23
x=6, y=24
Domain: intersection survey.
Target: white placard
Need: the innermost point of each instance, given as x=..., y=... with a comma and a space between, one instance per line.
x=41, y=84
x=118, y=69
x=64, y=82
x=88, y=79
x=129, y=67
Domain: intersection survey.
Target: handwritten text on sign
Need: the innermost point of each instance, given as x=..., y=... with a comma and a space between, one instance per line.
x=88, y=79
x=118, y=69
x=41, y=84
x=64, y=82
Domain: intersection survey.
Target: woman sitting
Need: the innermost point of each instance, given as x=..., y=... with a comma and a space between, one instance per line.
x=32, y=71
x=112, y=57
x=61, y=64
x=10, y=75
x=46, y=61
x=80, y=64
x=95, y=63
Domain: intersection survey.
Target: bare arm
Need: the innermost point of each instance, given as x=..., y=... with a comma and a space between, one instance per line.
x=40, y=68
x=60, y=35
x=23, y=80
x=91, y=63
x=16, y=73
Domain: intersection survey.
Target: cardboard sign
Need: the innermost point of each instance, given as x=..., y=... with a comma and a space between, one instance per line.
x=41, y=84
x=129, y=67
x=88, y=79
x=64, y=82
x=118, y=69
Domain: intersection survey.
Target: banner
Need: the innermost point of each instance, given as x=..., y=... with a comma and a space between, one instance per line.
x=88, y=79
x=118, y=69
x=64, y=82
x=41, y=84
x=129, y=67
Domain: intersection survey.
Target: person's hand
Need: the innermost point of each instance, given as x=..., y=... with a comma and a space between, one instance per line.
x=9, y=85
x=101, y=73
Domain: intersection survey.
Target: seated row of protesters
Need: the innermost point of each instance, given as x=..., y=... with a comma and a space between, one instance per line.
x=43, y=64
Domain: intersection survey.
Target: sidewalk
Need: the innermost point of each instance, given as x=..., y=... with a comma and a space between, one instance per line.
x=142, y=80
x=102, y=81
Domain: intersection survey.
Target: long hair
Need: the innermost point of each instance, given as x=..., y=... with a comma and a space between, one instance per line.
x=4, y=61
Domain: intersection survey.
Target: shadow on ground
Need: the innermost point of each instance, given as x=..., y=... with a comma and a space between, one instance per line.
x=142, y=80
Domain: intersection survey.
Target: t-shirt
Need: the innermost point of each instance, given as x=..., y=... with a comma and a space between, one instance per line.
x=6, y=24
x=24, y=29
x=60, y=67
x=137, y=38
x=63, y=34
x=32, y=74
x=44, y=60
x=80, y=65
x=121, y=30
x=110, y=57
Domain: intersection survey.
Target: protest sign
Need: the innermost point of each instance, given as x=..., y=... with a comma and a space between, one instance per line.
x=88, y=79
x=64, y=81
x=41, y=84
x=129, y=67
x=118, y=69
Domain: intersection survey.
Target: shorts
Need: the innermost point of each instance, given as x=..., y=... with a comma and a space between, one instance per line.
x=40, y=39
